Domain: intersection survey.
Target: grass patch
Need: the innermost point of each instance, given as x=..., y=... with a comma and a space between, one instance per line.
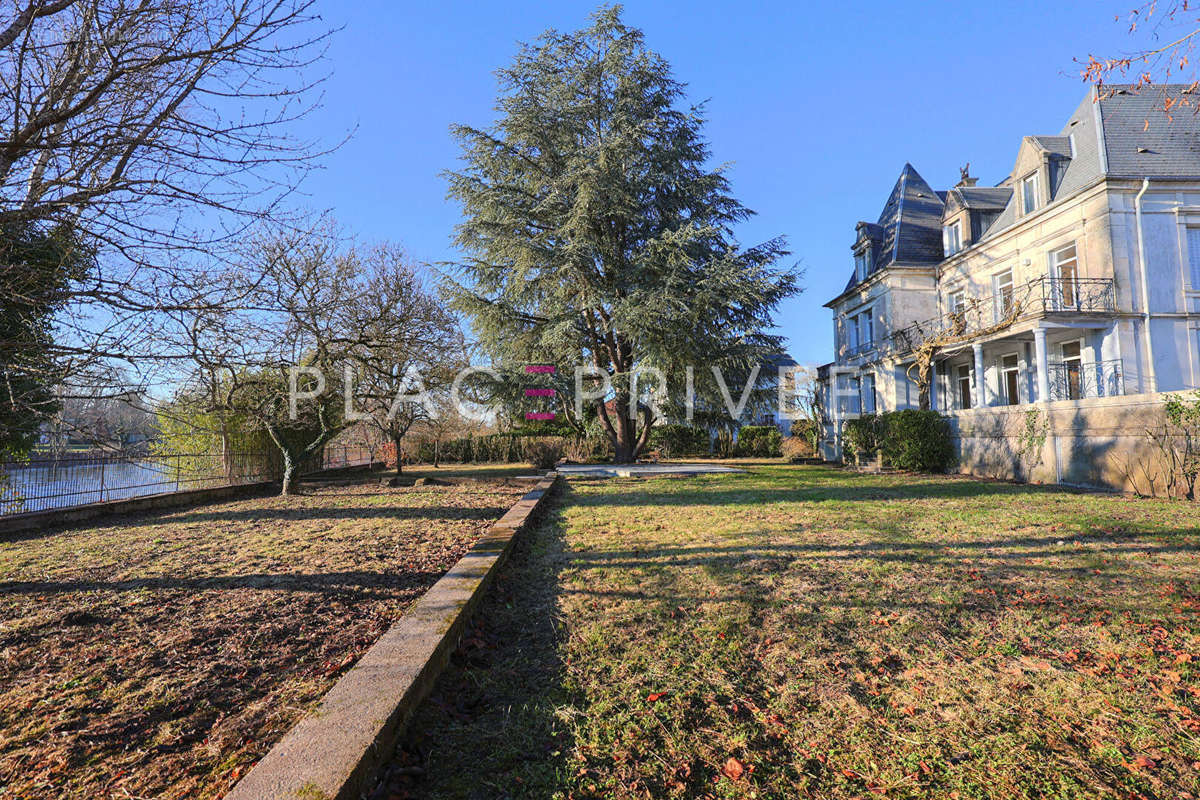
x=161, y=655
x=808, y=632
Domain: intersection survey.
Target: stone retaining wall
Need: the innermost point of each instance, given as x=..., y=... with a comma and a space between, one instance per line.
x=335, y=752
x=1100, y=442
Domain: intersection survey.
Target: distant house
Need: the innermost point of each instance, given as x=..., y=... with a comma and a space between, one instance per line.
x=1072, y=286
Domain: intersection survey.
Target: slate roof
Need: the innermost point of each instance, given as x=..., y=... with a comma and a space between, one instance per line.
x=1058, y=145
x=1142, y=141
x=910, y=225
x=983, y=198
x=1121, y=132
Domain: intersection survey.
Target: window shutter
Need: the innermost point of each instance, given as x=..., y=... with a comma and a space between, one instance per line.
x=1193, y=247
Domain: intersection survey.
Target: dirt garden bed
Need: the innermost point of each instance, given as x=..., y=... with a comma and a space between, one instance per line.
x=161, y=655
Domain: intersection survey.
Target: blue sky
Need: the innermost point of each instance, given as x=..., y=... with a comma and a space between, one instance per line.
x=816, y=107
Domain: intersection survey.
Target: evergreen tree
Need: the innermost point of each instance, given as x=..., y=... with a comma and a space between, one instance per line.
x=38, y=269
x=596, y=234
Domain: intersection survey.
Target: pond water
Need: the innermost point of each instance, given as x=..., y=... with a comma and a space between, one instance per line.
x=44, y=484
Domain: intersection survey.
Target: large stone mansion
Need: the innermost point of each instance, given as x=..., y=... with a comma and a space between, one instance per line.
x=1072, y=286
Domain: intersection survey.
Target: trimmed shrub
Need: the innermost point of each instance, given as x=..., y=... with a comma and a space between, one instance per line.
x=864, y=435
x=504, y=448
x=545, y=453
x=675, y=441
x=493, y=448
x=917, y=440
x=762, y=441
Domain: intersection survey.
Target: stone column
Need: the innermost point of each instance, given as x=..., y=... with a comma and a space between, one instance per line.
x=1043, y=366
x=980, y=378
x=1094, y=379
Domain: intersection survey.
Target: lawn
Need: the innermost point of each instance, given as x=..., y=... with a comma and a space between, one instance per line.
x=809, y=632
x=161, y=655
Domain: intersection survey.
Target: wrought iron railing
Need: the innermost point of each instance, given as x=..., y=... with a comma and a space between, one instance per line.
x=1039, y=297
x=858, y=349
x=1077, y=295
x=1074, y=380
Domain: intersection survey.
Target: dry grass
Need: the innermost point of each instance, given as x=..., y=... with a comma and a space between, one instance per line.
x=806, y=632
x=161, y=655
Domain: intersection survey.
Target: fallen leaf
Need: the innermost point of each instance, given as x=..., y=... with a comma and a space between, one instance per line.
x=733, y=768
x=654, y=697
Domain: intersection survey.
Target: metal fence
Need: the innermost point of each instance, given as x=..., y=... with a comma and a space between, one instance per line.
x=48, y=481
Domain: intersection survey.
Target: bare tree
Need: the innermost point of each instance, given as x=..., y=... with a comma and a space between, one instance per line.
x=152, y=130
x=443, y=424
x=317, y=337
x=801, y=402
x=119, y=423
x=123, y=116
x=412, y=349
x=276, y=356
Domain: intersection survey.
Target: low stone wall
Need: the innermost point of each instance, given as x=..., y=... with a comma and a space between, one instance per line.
x=335, y=752
x=1099, y=442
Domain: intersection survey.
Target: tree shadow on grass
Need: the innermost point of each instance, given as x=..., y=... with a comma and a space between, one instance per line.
x=1094, y=560
x=351, y=582
x=689, y=491
x=301, y=513
x=1008, y=552
x=489, y=729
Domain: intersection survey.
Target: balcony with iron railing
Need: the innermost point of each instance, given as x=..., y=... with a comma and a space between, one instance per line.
x=1074, y=380
x=858, y=349
x=980, y=316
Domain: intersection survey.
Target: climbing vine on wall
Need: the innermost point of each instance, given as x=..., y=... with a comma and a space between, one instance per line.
x=923, y=352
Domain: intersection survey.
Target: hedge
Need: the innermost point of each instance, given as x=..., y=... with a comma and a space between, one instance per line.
x=501, y=448
x=864, y=435
x=674, y=441
x=759, y=440
x=918, y=441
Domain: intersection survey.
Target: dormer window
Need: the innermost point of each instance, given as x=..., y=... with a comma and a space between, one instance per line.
x=862, y=265
x=952, y=238
x=1029, y=194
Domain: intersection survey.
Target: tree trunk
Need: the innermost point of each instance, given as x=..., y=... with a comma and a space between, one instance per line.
x=437, y=449
x=623, y=432
x=399, y=455
x=924, y=382
x=289, y=475
x=226, y=453
x=626, y=446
